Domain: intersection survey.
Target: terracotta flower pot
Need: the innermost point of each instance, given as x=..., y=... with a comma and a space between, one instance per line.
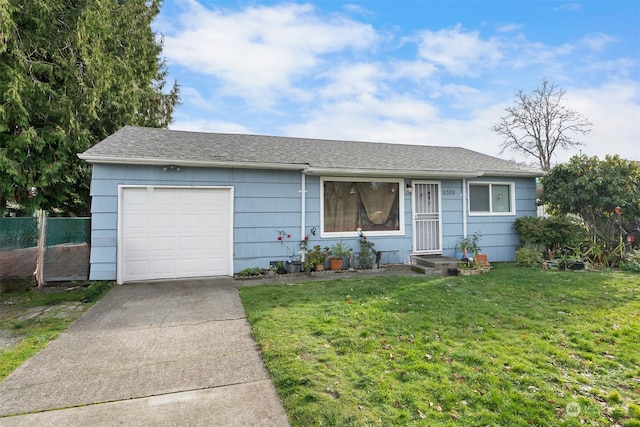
x=335, y=263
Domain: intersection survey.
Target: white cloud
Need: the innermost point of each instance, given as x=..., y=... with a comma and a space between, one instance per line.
x=614, y=109
x=193, y=97
x=597, y=41
x=352, y=79
x=416, y=70
x=457, y=51
x=571, y=7
x=205, y=125
x=508, y=28
x=258, y=52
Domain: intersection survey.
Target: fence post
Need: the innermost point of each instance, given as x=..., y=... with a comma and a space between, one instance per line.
x=42, y=226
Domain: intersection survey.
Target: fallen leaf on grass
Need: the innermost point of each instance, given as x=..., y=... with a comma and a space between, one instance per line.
x=421, y=415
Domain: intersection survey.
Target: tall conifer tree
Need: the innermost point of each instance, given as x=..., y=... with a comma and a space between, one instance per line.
x=71, y=73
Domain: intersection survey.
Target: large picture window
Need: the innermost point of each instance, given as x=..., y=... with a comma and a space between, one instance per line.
x=491, y=198
x=375, y=206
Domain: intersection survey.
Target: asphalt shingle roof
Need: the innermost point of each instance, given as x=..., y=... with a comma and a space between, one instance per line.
x=140, y=145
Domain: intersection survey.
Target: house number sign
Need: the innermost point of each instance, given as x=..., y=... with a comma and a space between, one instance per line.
x=448, y=192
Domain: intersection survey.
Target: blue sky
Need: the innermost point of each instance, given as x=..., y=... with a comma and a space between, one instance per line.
x=415, y=72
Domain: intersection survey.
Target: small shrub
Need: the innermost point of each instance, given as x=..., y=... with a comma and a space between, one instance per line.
x=95, y=290
x=367, y=253
x=255, y=271
x=631, y=262
x=529, y=256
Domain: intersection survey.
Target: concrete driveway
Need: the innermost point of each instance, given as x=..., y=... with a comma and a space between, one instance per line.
x=173, y=353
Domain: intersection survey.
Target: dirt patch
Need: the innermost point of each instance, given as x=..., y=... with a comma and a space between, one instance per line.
x=12, y=312
x=8, y=339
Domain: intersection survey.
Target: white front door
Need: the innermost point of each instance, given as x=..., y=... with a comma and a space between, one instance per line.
x=427, y=227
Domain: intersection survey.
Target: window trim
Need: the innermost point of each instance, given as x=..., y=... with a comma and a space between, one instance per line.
x=354, y=233
x=490, y=212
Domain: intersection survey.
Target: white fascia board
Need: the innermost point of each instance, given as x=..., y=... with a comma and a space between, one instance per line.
x=385, y=173
x=533, y=174
x=191, y=163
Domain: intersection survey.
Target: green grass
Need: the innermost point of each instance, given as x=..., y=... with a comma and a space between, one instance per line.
x=513, y=347
x=34, y=334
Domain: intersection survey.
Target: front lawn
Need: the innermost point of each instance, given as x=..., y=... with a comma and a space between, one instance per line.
x=513, y=347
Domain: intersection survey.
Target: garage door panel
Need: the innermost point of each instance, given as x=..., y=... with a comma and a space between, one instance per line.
x=165, y=198
x=137, y=244
x=139, y=221
x=138, y=268
x=163, y=269
x=175, y=232
x=163, y=220
x=163, y=246
x=191, y=243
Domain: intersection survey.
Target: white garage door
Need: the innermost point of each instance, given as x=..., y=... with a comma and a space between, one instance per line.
x=174, y=232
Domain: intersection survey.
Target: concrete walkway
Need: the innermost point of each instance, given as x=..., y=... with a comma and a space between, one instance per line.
x=174, y=353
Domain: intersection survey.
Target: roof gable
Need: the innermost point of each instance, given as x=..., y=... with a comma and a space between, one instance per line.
x=140, y=145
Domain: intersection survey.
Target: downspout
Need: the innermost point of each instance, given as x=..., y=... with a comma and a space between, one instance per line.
x=303, y=206
x=464, y=207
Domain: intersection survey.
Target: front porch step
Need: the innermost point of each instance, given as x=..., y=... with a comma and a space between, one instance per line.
x=433, y=265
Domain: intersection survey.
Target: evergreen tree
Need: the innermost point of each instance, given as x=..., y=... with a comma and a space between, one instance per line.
x=73, y=72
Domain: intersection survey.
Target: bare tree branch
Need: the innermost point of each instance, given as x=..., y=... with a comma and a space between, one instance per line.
x=539, y=123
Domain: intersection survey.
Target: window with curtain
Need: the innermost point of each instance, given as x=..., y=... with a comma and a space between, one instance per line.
x=369, y=205
x=490, y=198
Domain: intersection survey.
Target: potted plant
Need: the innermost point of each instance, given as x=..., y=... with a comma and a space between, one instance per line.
x=339, y=252
x=469, y=267
x=277, y=267
x=571, y=259
x=316, y=258
x=469, y=246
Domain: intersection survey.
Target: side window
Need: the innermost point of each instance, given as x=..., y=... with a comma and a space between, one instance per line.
x=488, y=198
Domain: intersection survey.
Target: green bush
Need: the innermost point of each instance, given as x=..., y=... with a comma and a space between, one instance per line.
x=529, y=255
x=552, y=232
x=631, y=262
x=255, y=271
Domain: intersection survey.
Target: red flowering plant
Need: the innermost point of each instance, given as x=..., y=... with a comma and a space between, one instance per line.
x=283, y=236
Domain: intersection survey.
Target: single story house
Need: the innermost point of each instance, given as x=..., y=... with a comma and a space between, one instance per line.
x=176, y=204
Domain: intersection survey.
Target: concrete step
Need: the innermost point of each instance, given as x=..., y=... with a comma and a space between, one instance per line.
x=433, y=265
